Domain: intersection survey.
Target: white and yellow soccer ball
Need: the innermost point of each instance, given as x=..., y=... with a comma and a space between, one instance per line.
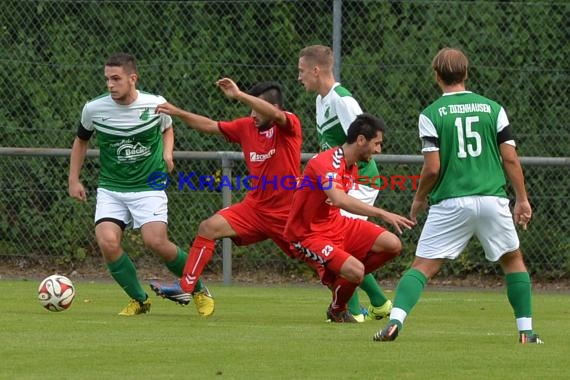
x=56, y=292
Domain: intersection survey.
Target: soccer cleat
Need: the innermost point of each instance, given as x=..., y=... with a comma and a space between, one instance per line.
x=204, y=302
x=340, y=317
x=136, y=307
x=171, y=291
x=359, y=317
x=530, y=339
x=388, y=334
x=379, y=312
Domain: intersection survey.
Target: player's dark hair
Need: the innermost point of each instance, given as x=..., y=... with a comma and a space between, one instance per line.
x=125, y=60
x=365, y=124
x=270, y=90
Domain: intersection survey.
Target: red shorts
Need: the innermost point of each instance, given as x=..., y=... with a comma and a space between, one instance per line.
x=328, y=254
x=254, y=225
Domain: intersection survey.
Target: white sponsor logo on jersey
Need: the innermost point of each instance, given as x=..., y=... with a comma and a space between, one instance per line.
x=130, y=152
x=259, y=157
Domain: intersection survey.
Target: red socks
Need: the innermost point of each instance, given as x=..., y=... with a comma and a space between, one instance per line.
x=200, y=254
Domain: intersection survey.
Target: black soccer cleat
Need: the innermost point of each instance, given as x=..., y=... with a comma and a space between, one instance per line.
x=388, y=334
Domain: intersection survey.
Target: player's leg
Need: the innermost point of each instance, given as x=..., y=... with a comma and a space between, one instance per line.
x=111, y=218
x=448, y=228
x=496, y=216
x=150, y=213
x=202, y=249
x=342, y=273
x=378, y=300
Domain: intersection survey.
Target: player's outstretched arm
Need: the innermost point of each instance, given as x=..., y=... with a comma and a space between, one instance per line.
x=78, y=152
x=522, y=212
x=264, y=108
x=344, y=201
x=195, y=121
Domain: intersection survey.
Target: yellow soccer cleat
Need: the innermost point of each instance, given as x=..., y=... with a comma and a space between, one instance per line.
x=204, y=302
x=379, y=312
x=136, y=307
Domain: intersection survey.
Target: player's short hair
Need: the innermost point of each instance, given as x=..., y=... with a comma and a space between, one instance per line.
x=125, y=60
x=270, y=90
x=451, y=65
x=367, y=125
x=319, y=55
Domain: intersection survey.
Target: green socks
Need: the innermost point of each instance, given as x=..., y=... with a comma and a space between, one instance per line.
x=409, y=290
x=519, y=293
x=373, y=290
x=176, y=266
x=124, y=272
x=353, y=304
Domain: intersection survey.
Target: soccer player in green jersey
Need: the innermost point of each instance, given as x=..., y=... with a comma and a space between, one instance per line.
x=336, y=109
x=134, y=143
x=468, y=148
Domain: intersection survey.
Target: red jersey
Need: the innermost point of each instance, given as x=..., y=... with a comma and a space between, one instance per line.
x=272, y=157
x=311, y=213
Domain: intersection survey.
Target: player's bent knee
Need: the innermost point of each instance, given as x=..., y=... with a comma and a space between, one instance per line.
x=353, y=270
x=388, y=243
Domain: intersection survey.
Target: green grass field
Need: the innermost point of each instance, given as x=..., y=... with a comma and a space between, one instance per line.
x=274, y=333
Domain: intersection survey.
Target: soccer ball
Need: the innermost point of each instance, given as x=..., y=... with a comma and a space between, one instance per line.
x=56, y=292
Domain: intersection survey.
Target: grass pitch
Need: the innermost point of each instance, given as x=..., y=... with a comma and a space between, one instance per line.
x=274, y=333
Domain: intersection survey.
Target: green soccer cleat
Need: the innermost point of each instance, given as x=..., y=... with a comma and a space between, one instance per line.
x=530, y=339
x=204, y=302
x=379, y=312
x=136, y=307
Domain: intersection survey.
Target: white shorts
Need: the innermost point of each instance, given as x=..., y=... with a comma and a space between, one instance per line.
x=365, y=194
x=133, y=208
x=452, y=222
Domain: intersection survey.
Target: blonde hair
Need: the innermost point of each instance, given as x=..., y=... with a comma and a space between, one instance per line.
x=451, y=65
x=318, y=55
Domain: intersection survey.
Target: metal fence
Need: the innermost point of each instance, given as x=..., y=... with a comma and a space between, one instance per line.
x=51, y=62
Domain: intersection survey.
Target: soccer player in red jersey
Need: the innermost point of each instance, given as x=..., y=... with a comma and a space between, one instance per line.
x=271, y=142
x=342, y=249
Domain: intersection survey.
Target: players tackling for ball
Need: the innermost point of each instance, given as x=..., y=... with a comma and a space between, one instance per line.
x=467, y=147
x=134, y=142
x=342, y=249
x=336, y=108
x=270, y=139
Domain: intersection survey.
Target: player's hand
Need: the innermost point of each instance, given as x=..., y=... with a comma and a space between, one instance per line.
x=168, y=109
x=228, y=86
x=77, y=191
x=398, y=221
x=522, y=213
x=169, y=161
x=417, y=207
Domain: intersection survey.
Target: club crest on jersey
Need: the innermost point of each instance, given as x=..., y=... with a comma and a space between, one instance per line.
x=145, y=114
x=128, y=152
x=269, y=133
x=260, y=157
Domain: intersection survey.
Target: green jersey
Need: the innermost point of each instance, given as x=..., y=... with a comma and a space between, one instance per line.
x=335, y=112
x=463, y=126
x=130, y=140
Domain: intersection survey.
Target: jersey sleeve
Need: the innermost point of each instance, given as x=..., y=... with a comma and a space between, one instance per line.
x=87, y=118
x=165, y=120
x=502, y=123
x=233, y=130
x=323, y=171
x=293, y=124
x=347, y=109
x=428, y=134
